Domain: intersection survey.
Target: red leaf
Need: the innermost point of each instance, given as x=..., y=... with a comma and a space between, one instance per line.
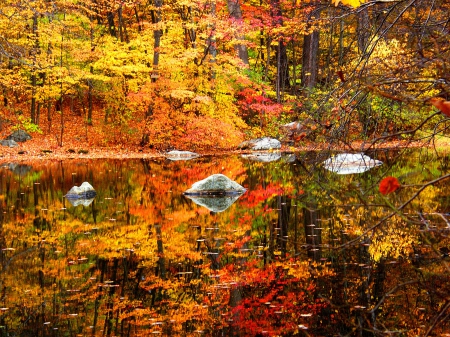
x=389, y=185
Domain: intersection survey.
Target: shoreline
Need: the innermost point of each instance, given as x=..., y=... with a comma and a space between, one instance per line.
x=23, y=154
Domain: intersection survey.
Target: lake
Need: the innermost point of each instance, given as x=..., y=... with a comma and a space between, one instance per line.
x=304, y=251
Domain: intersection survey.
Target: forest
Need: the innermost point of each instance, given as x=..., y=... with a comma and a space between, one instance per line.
x=207, y=74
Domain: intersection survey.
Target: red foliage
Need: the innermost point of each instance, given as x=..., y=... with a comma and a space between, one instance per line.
x=274, y=303
x=255, y=197
x=389, y=185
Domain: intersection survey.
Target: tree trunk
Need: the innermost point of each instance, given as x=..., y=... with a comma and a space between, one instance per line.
x=310, y=55
x=33, y=76
x=282, y=79
x=212, y=41
x=157, y=33
x=121, y=25
x=363, y=30
x=234, y=8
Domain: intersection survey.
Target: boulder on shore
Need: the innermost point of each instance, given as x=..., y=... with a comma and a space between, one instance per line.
x=19, y=136
x=259, y=144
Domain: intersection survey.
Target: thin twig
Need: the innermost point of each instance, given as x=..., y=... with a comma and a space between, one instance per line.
x=406, y=203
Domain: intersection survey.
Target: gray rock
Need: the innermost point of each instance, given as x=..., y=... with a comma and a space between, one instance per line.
x=265, y=143
x=350, y=163
x=9, y=142
x=181, y=155
x=215, y=185
x=84, y=191
x=19, y=136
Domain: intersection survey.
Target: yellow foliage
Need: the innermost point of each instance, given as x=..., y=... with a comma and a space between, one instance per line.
x=353, y=3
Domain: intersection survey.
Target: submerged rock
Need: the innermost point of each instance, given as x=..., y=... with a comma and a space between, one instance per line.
x=181, y=155
x=264, y=143
x=350, y=163
x=82, y=195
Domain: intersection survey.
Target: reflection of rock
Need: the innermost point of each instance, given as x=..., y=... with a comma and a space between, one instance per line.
x=216, y=193
x=9, y=143
x=181, y=155
x=349, y=163
x=263, y=157
x=20, y=169
x=83, y=195
x=215, y=204
x=289, y=157
x=84, y=202
x=265, y=143
x=215, y=185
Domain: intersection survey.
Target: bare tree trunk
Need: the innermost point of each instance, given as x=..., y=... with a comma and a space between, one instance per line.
x=282, y=79
x=363, y=29
x=33, y=76
x=121, y=25
x=157, y=33
x=310, y=55
x=234, y=8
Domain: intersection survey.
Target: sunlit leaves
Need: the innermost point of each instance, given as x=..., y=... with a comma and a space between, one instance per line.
x=352, y=3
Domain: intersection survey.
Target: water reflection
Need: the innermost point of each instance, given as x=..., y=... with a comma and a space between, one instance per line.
x=303, y=250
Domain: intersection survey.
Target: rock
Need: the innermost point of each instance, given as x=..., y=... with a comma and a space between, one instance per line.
x=297, y=130
x=216, y=193
x=9, y=142
x=85, y=191
x=349, y=163
x=19, y=136
x=215, y=185
x=181, y=155
x=265, y=143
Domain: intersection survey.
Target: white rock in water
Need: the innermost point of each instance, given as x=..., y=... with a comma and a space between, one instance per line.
x=349, y=163
x=181, y=155
x=216, y=184
x=84, y=191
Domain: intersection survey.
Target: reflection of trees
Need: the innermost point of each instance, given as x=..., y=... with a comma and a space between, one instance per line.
x=144, y=260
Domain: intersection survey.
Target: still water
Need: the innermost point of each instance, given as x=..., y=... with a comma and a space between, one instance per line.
x=304, y=251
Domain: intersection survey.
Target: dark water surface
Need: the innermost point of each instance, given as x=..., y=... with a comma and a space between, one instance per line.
x=304, y=251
